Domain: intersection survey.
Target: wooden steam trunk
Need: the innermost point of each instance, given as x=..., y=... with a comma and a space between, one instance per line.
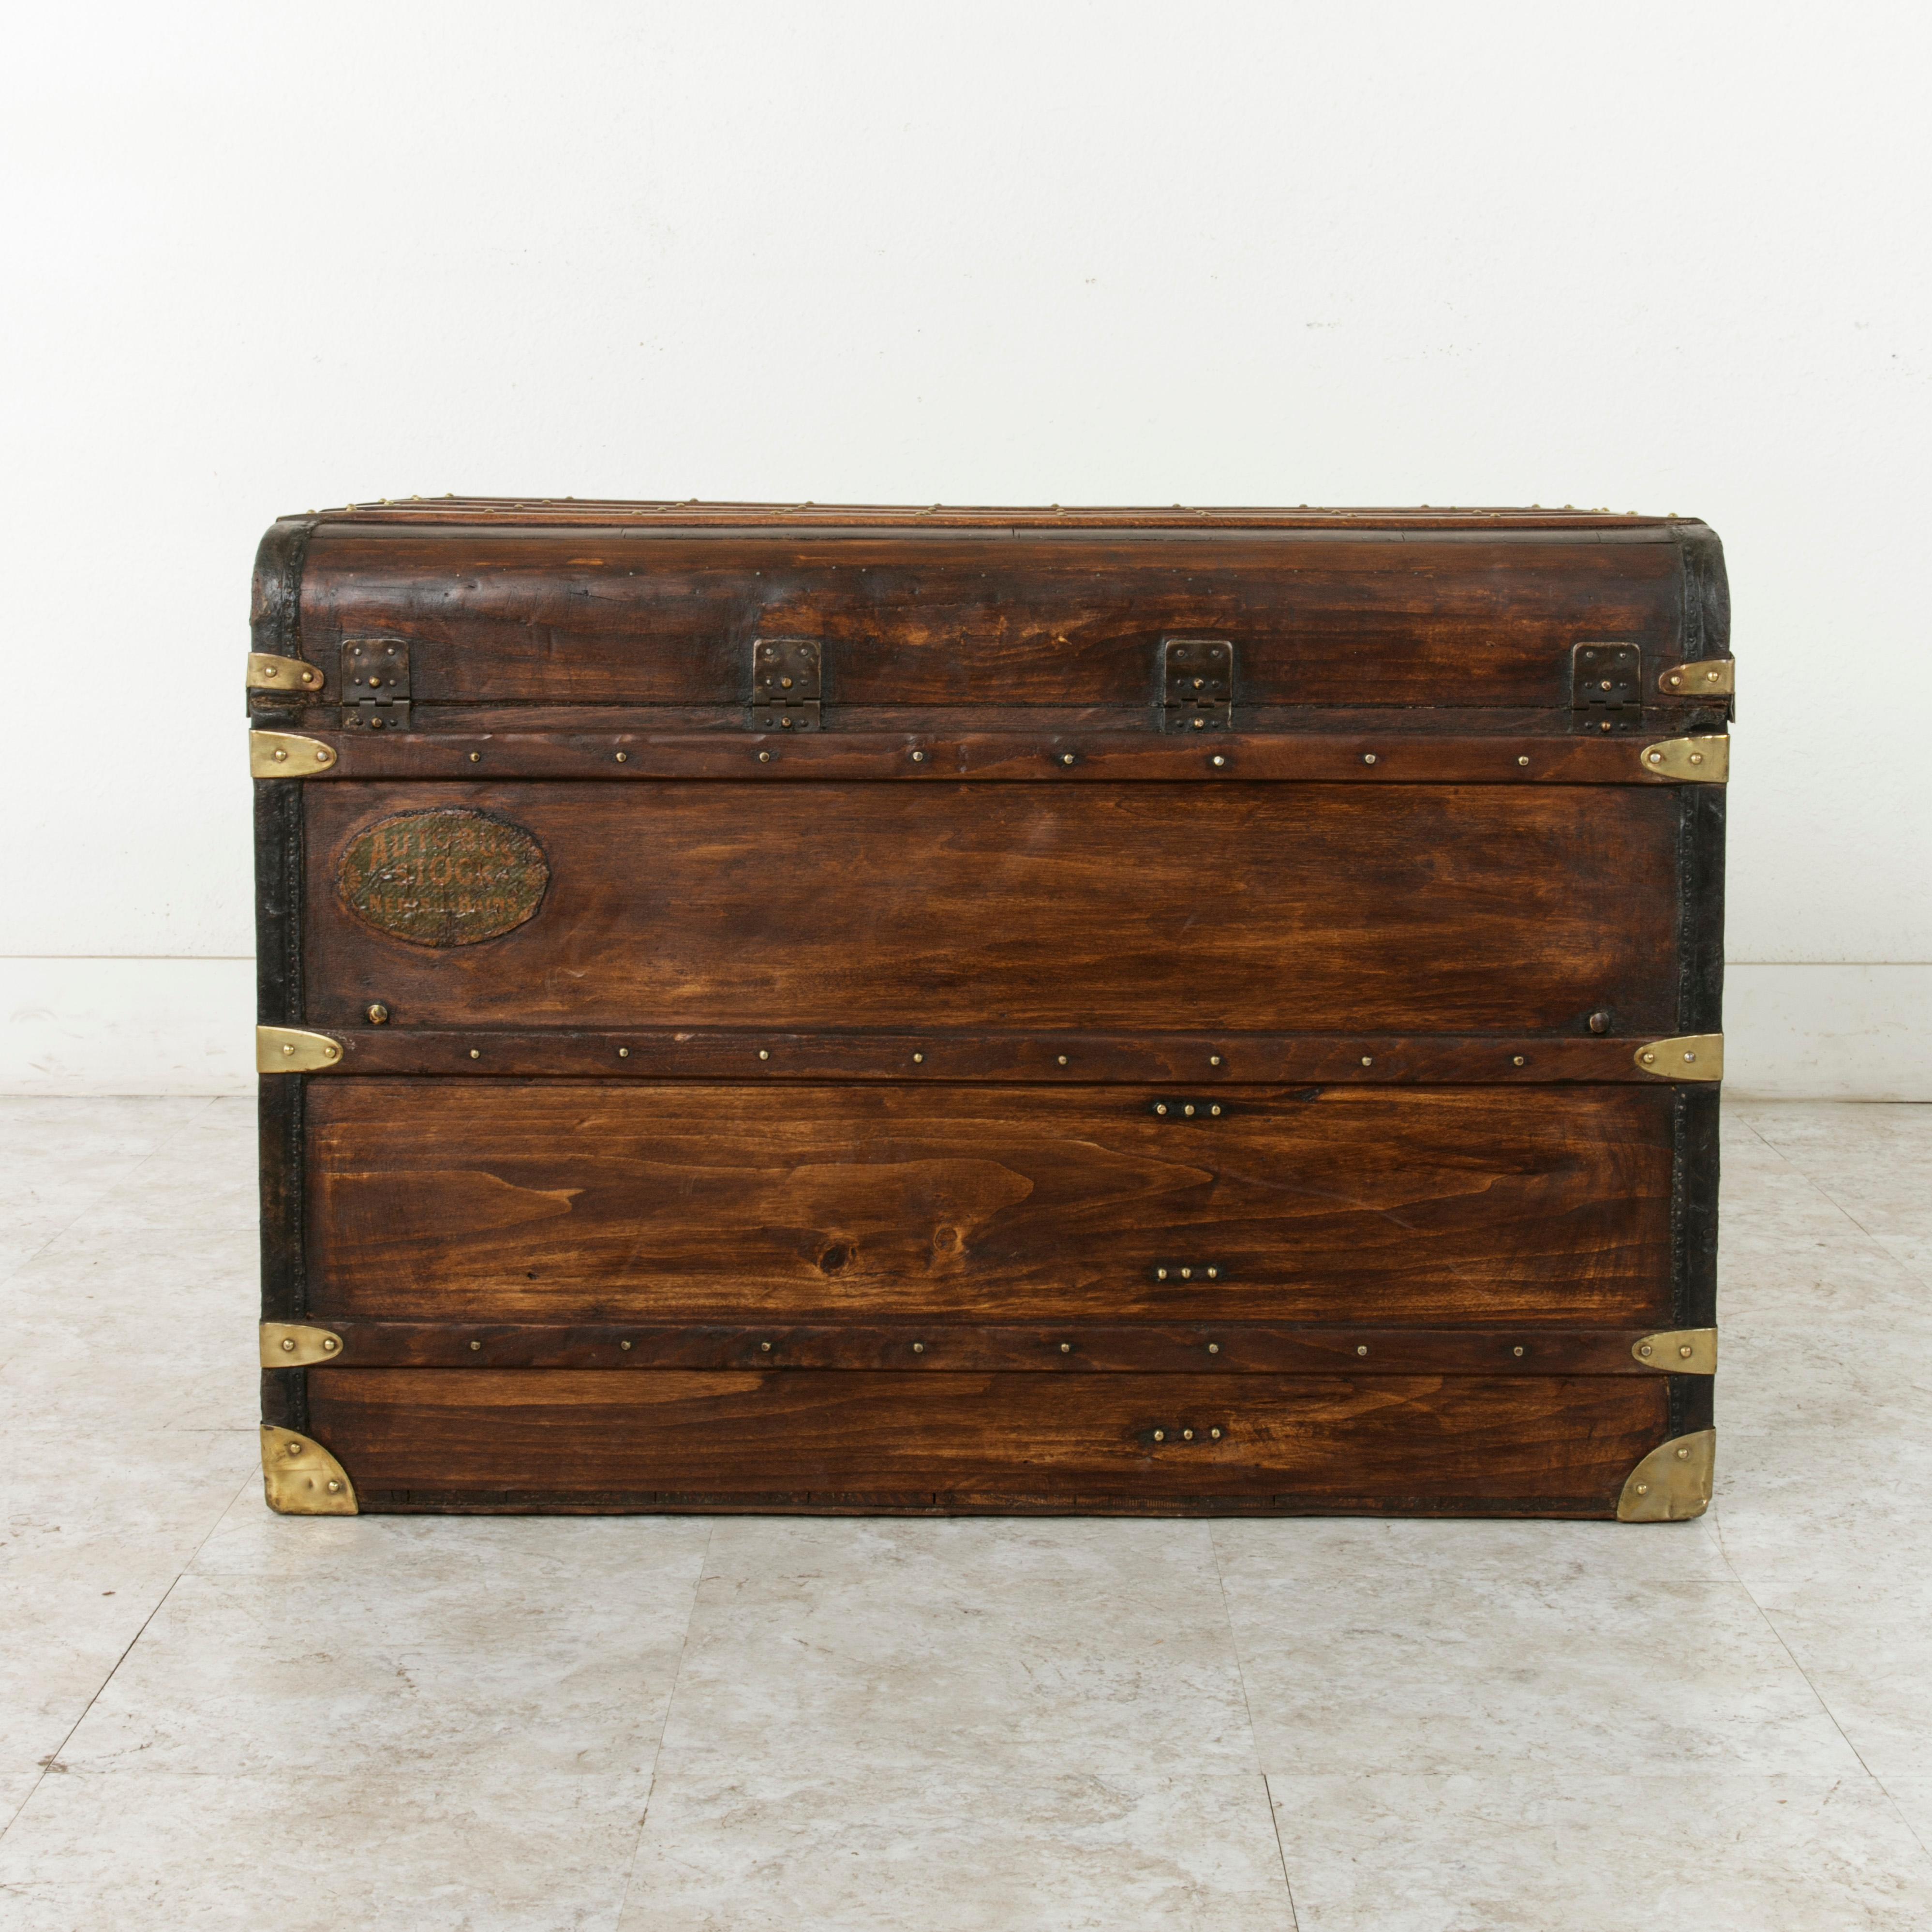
x=1164, y=1012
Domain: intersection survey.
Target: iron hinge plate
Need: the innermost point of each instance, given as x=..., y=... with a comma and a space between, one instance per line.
x=300, y=1478
x=296, y=1345
x=1606, y=687
x=1197, y=684
x=1690, y=1056
x=1673, y=1483
x=1678, y=1351
x=786, y=688
x=375, y=684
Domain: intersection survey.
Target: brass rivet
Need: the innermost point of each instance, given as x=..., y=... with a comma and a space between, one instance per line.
x=1683, y=1455
x=1362, y=1348
x=1649, y=1059
x=1517, y=1350
x=623, y=1053
x=1214, y=1060
x=1219, y=760
x=1696, y=758
x=1690, y=1059
x=623, y=1345
x=329, y=1345
x=1200, y=723
x=1187, y=1435
x=918, y=1347
x=1368, y=1060
x=1160, y=1435
x=1643, y=1349
x=476, y=757
x=1215, y=1434
x=475, y=1346
x=1060, y=1059
x=335, y=1487
x=1160, y=1274
x=323, y=756
x=294, y=1448
x=764, y=1347
x=919, y=757
x=1214, y=1274
x=623, y=758
x=1189, y=1110
x=376, y=1013
x=288, y=1049
x=1067, y=757
x=280, y=753
x=1710, y=677
x=764, y=757
x=1523, y=761
x=1655, y=758
x=476, y=1053
x=1643, y=1489
x=332, y=1052
x=1067, y=1348
x=271, y=671
x=1159, y=1106
x=288, y=1346
x=919, y=1060
x=1214, y=1347
x=1215, y=1111
x=1683, y=1349
x=762, y=1054
x=1187, y=1274
x=1518, y=1060
x=1368, y=757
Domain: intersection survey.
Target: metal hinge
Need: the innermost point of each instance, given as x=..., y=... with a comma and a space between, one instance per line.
x=784, y=684
x=302, y=1478
x=1672, y=1484
x=1606, y=686
x=375, y=684
x=1197, y=684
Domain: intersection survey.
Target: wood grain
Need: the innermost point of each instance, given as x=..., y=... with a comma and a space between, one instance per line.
x=1412, y=908
x=1550, y=1446
x=558, y=1200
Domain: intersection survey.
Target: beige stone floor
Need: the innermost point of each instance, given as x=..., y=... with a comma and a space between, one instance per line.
x=210, y=1717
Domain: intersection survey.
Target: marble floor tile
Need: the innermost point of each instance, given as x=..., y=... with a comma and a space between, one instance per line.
x=1392, y=1646
x=1874, y=1161
x=1047, y=1643
x=1722, y=1852
x=456, y=1850
x=736, y=1846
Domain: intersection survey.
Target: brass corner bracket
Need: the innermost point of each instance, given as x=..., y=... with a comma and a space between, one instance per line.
x=288, y=755
x=1689, y=760
x=1672, y=1484
x=1690, y=1056
x=1702, y=677
x=291, y=1050
x=266, y=673
x=1675, y=1352
x=302, y=1478
x=294, y=1344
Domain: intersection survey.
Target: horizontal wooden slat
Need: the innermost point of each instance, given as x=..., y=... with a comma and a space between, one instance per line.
x=558, y=1200
x=1318, y=908
x=438, y=1438
x=1082, y=1347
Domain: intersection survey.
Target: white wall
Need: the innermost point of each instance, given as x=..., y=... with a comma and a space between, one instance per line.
x=263, y=258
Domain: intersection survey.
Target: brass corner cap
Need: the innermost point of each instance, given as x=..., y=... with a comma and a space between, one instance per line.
x=273, y=673
x=1672, y=1484
x=1678, y=1351
x=302, y=1478
x=1702, y=677
x=1690, y=1056
x=290, y=1050
x=288, y=755
x=1688, y=760
x=296, y=1344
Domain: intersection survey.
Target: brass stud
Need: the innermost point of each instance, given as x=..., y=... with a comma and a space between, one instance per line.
x=1643, y=1489
x=279, y=752
x=1690, y=1059
x=1160, y=1274
x=476, y=1053
x=624, y=1344
x=476, y=757
x=764, y=1347
x=1643, y=1349
x=1683, y=1455
x=1214, y=1347
x=1684, y=1351
x=294, y=1449
x=1696, y=758
x=1061, y=1060
x=1159, y=1106
x=1188, y=1111
x=919, y=1060
x=1649, y=1059
x=1067, y=757
x=623, y=1053
x=323, y=755
x=1523, y=761
x=1368, y=757
x=1368, y=1060
x=1219, y=761
x=288, y=1049
x=1361, y=1348
x=1654, y=758
x=1214, y=1060
x=335, y=1487
x=1200, y=723
x=1067, y=1348
x=376, y=1013
x=918, y=1347
x=623, y=758
x=1187, y=1274
x=288, y=1346
x=764, y=757
x=1187, y=1435
x=331, y=1051
x=1215, y=1111
x=1214, y=1274
x=1517, y=1350
x=1160, y=1435
x=1214, y=1435
x=329, y=1345
x=1518, y=1060
x=762, y=1054
x=475, y=1346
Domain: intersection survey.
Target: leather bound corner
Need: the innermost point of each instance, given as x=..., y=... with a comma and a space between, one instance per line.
x=300, y=1478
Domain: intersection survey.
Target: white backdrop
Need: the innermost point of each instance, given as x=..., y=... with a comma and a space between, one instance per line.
x=264, y=258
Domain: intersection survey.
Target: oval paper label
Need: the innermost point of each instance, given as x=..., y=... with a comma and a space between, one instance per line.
x=443, y=878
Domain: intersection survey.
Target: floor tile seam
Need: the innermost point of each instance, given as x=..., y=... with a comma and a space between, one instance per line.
x=1281, y=1851
x=1771, y=1623
x=161, y=1603
x=664, y=1726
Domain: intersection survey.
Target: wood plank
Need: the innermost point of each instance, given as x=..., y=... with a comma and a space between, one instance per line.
x=1319, y=908
x=561, y=1201
x=1364, y=1444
